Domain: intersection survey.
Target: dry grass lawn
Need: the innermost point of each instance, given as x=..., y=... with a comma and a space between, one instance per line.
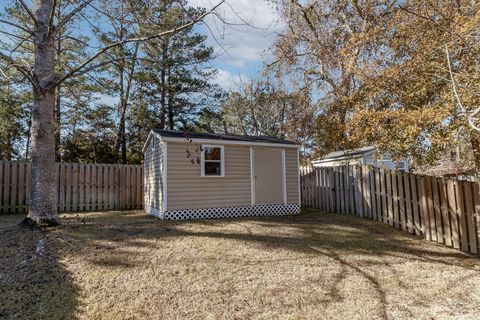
x=127, y=265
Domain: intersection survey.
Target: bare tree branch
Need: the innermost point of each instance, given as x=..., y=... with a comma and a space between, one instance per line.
x=29, y=12
x=25, y=71
x=463, y=110
x=17, y=26
x=72, y=13
x=138, y=39
x=21, y=43
x=14, y=35
x=50, y=20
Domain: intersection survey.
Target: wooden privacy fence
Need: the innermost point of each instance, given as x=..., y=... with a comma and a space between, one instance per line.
x=81, y=187
x=439, y=209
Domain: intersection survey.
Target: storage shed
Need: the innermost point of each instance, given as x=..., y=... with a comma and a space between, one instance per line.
x=204, y=175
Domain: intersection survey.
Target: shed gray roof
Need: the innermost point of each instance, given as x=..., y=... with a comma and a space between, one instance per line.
x=216, y=136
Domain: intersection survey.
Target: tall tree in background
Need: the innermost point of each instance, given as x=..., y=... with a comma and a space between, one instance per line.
x=122, y=19
x=380, y=70
x=175, y=71
x=70, y=50
x=326, y=43
x=267, y=106
x=13, y=120
x=173, y=78
x=42, y=30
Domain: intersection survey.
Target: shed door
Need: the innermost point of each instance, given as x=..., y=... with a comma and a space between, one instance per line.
x=268, y=175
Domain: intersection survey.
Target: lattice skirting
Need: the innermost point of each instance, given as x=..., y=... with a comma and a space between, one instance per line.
x=230, y=212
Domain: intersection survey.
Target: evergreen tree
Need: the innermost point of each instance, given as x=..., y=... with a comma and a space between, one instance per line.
x=173, y=78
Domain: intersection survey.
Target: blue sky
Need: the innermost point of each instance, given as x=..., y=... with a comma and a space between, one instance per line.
x=241, y=50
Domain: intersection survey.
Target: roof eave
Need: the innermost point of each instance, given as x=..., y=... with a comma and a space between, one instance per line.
x=232, y=142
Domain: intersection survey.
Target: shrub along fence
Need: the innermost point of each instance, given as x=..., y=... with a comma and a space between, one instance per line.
x=81, y=187
x=442, y=210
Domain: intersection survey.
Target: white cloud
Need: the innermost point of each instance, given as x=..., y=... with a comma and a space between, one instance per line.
x=228, y=80
x=242, y=43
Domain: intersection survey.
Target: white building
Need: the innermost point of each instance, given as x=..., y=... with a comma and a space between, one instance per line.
x=363, y=156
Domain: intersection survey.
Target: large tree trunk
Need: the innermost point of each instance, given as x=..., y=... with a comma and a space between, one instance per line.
x=121, y=125
x=58, y=99
x=163, y=82
x=171, y=111
x=58, y=102
x=43, y=208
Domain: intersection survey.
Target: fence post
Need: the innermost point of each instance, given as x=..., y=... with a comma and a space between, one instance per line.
x=476, y=197
x=470, y=217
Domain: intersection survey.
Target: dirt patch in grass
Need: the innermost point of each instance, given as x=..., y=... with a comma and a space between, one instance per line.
x=126, y=265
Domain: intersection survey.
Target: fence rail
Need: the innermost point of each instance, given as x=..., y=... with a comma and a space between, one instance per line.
x=443, y=210
x=81, y=187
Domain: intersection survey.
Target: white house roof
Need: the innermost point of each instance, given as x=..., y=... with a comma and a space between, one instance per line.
x=345, y=154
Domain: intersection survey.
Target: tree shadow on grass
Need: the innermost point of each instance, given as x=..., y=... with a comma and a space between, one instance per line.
x=333, y=232
x=33, y=283
x=356, y=245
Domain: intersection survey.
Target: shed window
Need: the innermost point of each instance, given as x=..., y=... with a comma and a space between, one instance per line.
x=212, y=161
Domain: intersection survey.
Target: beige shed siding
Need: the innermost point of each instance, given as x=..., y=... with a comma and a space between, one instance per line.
x=188, y=190
x=153, y=175
x=291, y=168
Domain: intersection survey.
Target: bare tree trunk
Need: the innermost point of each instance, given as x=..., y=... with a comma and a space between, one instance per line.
x=43, y=209
x=58, y=102
x=121, y=125
x=171, y=111
x=163, y=100
x=27, y=144
x=163, y=81
x=58, y=99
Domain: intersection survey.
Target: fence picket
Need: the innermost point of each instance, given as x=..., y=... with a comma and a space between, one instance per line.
x=389, y=197
x=373, y=197
x=81, y=187
x=436, y=213
x=444, y=209
x=367, y=206
x=476, y=199
x=359, y=191
x=396, y=210
x=337, y=190
x=351, y=190
x=461, y=216
x=378, y=194
x=13, y=187
x=453, y=214
x=6, y=187
x=414, y=193
x=408, y=202
x=401, y=201
x=469, y=215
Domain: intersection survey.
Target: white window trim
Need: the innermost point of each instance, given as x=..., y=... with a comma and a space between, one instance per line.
x=222, y=161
